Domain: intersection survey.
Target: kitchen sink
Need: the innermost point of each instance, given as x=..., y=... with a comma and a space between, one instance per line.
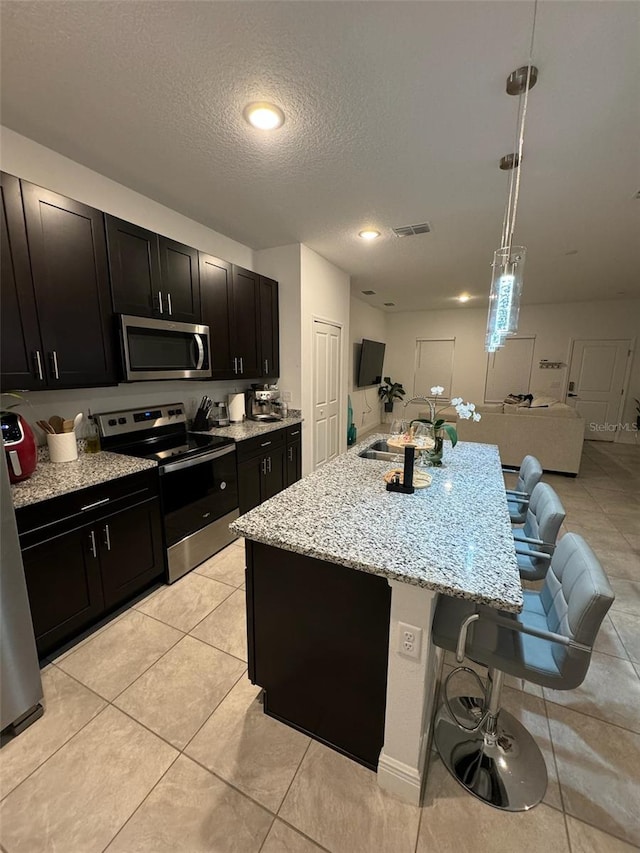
x=380, y=450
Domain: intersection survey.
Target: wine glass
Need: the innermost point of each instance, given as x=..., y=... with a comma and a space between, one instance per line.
x=424, y=441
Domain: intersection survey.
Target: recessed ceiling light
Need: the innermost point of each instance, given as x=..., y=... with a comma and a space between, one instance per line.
x=264, y=116
x=368, y=234
x=464, y=297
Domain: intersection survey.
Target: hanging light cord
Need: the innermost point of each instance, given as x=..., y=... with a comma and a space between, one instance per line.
x=509, y=221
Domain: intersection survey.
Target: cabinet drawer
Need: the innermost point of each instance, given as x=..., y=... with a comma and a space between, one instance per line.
x=294, y=433
x=40, y=521
x=260, y=444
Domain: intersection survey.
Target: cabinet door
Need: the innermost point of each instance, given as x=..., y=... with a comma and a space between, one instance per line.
x=250, y=485
x=216, y=301
x=275, y=477
x=71, y=281
x=131, y=553
x=63, y=582
x=294, y=462
x=180, y=281
x=269, y=328
x=245, y=322
x=134, y=261
x=21, y=354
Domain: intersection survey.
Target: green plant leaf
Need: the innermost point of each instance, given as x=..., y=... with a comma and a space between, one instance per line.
x=451, y=432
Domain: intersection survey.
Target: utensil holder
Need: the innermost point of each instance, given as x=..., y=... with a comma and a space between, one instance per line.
x=63, y=447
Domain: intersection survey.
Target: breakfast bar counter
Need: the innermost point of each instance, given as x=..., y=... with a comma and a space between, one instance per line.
x=339, y=569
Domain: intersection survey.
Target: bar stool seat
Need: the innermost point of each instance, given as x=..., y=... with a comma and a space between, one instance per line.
x=549, y=643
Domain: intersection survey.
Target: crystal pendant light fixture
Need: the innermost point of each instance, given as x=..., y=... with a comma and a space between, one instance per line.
x=508, y=260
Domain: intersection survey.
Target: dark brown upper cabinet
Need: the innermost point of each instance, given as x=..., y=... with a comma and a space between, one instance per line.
x=241, y=309
x=71, y=344
x=152, y=275
x=269, y=328
x=245, y=324
x=21, y=347
x=216, y=297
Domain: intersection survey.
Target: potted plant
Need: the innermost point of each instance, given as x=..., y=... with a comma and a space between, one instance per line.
x=465, y=411
x=390, y=392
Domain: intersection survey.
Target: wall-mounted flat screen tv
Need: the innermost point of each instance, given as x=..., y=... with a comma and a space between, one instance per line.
x=371, y=361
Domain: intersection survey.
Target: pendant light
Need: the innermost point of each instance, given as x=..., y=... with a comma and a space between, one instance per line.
x=508, y=260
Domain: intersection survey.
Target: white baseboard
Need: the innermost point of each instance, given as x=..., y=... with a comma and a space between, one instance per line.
x=398, y=778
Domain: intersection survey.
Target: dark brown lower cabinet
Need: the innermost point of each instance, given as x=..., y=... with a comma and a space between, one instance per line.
x=87, y=552
x=318, y=643
x=261, y=478
x=294, y=462
x=64, y=585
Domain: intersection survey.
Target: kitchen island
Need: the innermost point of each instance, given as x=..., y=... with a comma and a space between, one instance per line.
x=339, y=569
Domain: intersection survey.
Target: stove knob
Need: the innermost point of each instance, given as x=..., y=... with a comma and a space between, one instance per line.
x=171, y=412
x=122, y=420
x=112, y=422
x=178, y=411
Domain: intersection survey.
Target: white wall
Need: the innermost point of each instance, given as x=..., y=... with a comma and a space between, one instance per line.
x=325, y=295
x=371, y=323
x=552, y=325
x=283, y=264
x=27, y=159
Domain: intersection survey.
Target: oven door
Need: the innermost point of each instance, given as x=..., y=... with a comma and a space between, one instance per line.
x=163, y=349
x=197, y=492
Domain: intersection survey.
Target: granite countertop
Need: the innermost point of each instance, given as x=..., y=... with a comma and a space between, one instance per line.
x=50, y=480
x=249, y=429
x=453, y=537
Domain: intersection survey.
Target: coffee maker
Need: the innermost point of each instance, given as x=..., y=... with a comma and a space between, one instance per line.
x=263, y=403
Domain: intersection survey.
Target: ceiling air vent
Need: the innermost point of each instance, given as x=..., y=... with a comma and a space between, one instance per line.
x=369, y=292
x=412, y=230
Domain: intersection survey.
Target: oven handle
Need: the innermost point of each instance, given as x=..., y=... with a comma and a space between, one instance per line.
x=200, y=362
x=196, y=460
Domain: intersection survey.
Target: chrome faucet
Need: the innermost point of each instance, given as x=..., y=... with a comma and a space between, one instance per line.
x=421, y=399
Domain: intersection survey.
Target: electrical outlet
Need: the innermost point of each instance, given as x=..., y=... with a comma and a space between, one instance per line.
x=285, y=396
x=410, y=640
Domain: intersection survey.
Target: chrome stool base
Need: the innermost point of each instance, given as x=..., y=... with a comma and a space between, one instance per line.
x=509, y=774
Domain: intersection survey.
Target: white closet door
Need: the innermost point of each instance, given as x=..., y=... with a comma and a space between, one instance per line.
x=509, y=370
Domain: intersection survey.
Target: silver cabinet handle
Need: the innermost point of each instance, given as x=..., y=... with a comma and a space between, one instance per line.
x=264, y=466
x=291, y=434
x=198, y=340
x=38, y=364
x=291, y=454
x=241, y=365
x=169, y=303
x=54, y=364
x=266, y=365
x=92, y=543
x=269, y=461
x=160, y=301
x=107, y=537
x=93, y=505
x=265, y=444
x=235, y=365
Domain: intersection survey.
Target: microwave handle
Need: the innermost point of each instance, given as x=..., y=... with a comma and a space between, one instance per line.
x=200, y=361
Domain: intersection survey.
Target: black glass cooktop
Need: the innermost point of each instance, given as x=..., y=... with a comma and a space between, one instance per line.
x=171, y=448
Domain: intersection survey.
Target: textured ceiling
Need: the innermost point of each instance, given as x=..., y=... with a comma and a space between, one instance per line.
x=395, y=114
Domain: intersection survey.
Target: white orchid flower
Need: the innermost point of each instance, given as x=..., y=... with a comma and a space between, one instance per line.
x=476, y=416
x=437, y=390
x=456, y=401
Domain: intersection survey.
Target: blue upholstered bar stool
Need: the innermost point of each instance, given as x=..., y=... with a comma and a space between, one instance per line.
x=536, y=541
x=529, y=476
x=485, y=748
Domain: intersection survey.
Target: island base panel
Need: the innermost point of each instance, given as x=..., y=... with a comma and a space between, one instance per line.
x=318, y=643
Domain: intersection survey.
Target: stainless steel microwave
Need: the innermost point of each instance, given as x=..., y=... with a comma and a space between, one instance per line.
x=164, y=349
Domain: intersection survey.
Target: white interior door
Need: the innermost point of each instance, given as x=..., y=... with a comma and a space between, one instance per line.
x=596, y=385
x=327, y=349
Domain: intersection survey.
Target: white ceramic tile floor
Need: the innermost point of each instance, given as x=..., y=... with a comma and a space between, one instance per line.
x=231, y=780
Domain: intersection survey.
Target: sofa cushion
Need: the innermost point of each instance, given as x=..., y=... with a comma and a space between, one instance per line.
x=558, y=410
x=542, y=401
x=490, y=408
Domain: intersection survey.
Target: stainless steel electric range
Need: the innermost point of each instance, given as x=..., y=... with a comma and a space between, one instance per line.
x=198, y=478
